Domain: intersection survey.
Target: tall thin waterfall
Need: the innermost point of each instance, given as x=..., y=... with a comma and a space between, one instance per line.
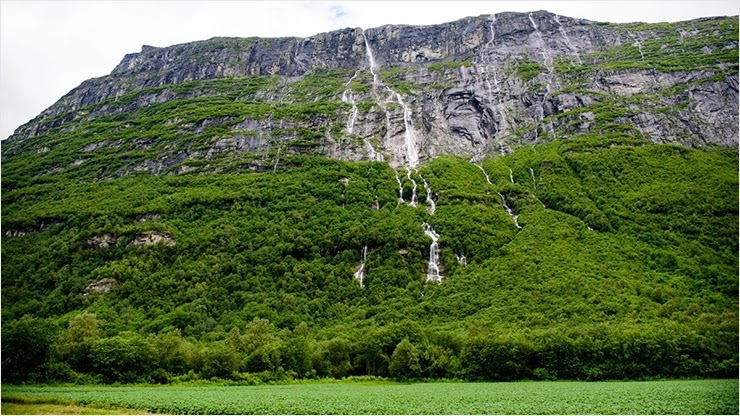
x=547, y=61
x=432, y=206
x=347, y=98
x=400, y=188
x=433, y=268
x=413, y=190
x=503, y=200
x=567, y=39
x=412, y=154
x=360, y=273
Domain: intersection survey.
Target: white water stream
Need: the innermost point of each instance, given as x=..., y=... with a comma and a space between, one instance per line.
x=400, y=188
x=433, y=268
x=412, y=154
x=503, y=200
x=413, y=190
x=432, y=206
x=547, y=61
x=638, y=44
x=360, y=273
x=347, y=98
x=567, y=40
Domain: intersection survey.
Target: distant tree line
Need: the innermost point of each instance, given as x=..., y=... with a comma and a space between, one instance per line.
x=35, y=350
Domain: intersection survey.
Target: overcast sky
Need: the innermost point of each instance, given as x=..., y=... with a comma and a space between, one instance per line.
x=49, y=47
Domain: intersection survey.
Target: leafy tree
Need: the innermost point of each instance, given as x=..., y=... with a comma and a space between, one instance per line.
x=405, y=361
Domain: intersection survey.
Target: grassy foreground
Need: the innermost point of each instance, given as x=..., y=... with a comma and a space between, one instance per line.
x=28, y=406
x=648, y=397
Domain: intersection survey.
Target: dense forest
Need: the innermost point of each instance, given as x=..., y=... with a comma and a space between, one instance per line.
x=624, y=266
x=169, y=227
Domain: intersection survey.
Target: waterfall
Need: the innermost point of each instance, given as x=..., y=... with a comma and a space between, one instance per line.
x=503, y=200
x=510, y=212
x=277, y=159
x=638, y=44
x=461, y=259
x=433, y=268
x=400, y=188
x=432, y=206
x=487, y=53
x=360, y=273
x=534, y=181
x=371, y=61
x=412, y=155
x=344, y=181
x=347, y=98
x=511, y=176
x=413, y=190
x=547, y=61
x=567, y=40
x=484, y=174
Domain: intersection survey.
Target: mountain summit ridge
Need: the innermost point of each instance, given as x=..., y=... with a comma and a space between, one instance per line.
x=476, y=86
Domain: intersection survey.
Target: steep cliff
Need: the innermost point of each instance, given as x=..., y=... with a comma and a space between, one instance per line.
x=405, y=94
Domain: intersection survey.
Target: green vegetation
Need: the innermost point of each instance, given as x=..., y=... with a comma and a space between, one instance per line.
x=448, y=65
x=625, y=267
x=25, y=406
x=658, y=397
x=665, y=47
x=258, y=285
x=528, y=70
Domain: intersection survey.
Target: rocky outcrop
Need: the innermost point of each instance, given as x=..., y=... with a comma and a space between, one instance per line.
x=154, y=238
x=473, y=87
x=102, y=241
x=101, y=286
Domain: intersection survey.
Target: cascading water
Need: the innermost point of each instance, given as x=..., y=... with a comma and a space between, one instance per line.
x=534, y=181
x=277, y=159
x=432, y=206
x=344, y=181
x=547, y=61
x=371, y=61
x=488, y=180
x=567, y=40
x=503, y=200
x=433, y=268
x=347, y=98
x=461, y=259
x=360, y=273
x=412, y=155
x=638, y=44
x=413, y=190
x=488, y=65
x=510, y=212
x=400, y=188
x=511, y=176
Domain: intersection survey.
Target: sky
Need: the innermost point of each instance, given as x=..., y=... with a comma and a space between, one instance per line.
x=47, y=48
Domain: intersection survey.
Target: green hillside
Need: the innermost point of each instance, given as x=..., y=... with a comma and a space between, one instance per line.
x=625, y=267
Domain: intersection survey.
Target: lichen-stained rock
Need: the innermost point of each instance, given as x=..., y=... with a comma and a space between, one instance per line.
x=103, y=241
x=101, y=286
x=153, y=238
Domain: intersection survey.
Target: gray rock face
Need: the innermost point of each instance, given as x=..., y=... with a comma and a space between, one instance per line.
x=153, y=238
x=103, y=241
x=101, y=286
x=473, y=87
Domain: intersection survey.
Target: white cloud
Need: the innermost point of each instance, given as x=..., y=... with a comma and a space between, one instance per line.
x=49, y=47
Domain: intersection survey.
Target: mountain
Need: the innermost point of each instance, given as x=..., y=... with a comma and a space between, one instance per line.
x=501, y=197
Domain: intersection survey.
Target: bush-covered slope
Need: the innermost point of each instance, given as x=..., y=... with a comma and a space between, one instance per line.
x=625, y=266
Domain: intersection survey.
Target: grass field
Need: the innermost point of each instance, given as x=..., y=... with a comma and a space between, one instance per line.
x=648, y=397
